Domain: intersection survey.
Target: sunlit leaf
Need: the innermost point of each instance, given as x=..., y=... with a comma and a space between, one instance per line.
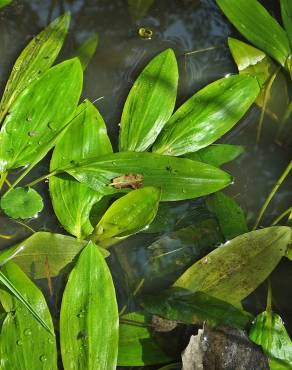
x=89, y=320
x=22, y=203
x=207, y=115
x=87, y=49
x=150, y=103
x=39, y=113
x=178, y=178
x=25, y=343
x=72, y=201
x=235, y=269
x=286, y=12
x=128, y=215
x=4, y=3
x=34, y=60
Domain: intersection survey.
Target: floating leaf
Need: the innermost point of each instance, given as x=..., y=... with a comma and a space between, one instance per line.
x=22, y=203
x=217, y=154
x=239, y=266
x=127, y=215
x=150, y=103
x=254, y=22
x=192, y=308
x=86, y=51
x=89, y=320
x=137, y=347
x=44, y=253
x=178, y=178
x=72, y=201
x=286, y=12
x=269, y=332
x=34, y=60
x=229, y=214
x=33, y=346
x=139, y=8
x=207, y=115
x=39, y=114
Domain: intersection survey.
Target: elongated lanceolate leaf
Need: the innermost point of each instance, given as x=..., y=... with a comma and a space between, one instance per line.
x=127, y=215
x=25, y=343
x=269, y=332
x=255, y=23
x=150, y=103
x=39, y=113
x=286, y=11
x=72, y=201
x=34, y=60
x=137, y=347
x=86, y=51
x=234, y=270
x=89, y=320
x=178, y=178
x=207, y=115
x=217, y=154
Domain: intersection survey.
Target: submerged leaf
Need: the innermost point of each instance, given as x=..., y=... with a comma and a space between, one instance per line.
x=86, y=51
x=207, y=115
x=34, y=60
x=178, y=178
x=234, y=270
x=39, y=114
x=269, y=332
x=25, y=344
x=254, y=22
x=127, y=215
x=217, y=154
x=22, y=203
x=89, y=320
x=73, y=201
x=139, y=8
x=150, y=103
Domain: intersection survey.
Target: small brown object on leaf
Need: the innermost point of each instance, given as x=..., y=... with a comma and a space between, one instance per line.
x=131, y=180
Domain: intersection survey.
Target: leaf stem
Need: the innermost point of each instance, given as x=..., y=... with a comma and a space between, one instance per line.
x=282, y=215
x=272, y=193
x=2, y=179
x=40, y=179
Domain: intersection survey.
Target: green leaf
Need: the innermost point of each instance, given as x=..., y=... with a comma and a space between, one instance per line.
x=34, y=60
x=269, y=331
x=193, y=308
x=254, y=22
x=286, y=12
x=86, y=51
x=44, y=254
x=39, y=114
x=178, y=178
x=4, y=3
x=217, y=154
x=229, y=214
x=25, y=344
x=89, y=320
x=139, y=8
x=207, y=115
x=22, y=203
x=150, y=103
x=137, y=347
x=72, y=201
x=234, y=270
x=127, y=215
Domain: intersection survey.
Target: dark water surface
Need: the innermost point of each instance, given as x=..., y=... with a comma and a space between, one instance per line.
x=186, y=26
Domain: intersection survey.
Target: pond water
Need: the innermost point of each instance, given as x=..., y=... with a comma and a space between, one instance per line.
x=197, y=31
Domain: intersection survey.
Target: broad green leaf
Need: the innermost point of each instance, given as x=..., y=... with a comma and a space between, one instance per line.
x=269, y=332
x=39, y=114
x=229, y=214
x=139, y=8
x=178, y=178
x=25, y=344
x=72, y=201
x=137, y=347
x=45, y=254
x=22, y=203
x=86, y=51
x=34, y=60
x=235, y=269
x=4, y=3
x=255, y=23
x=127, y=215
x=193, y=308
x=89, y=320
x=217, y=154
x=150, y=103
x=286, y=12
x=207, y=115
